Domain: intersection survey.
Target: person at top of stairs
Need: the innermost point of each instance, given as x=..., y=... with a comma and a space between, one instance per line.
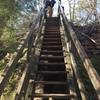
x=49, y=4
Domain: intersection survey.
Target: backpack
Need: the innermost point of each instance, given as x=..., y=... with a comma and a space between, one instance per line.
x=53, y=2
x=48, y=3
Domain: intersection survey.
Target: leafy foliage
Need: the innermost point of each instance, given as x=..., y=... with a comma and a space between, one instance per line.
x=14, y=15
x=7, y=9
x=84, y=11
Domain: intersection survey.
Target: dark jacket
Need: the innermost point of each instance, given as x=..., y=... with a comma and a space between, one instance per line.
x=50, y=3
x=53, y=2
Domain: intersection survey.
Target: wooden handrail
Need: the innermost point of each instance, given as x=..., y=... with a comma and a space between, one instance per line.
x=93, y=75
x=81, y=86
x=24, y=81
x=4, y=78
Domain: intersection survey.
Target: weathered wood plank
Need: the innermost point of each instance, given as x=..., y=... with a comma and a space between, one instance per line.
x=70, y=76
x=78, y=79
x=23, y=84
x=52, y=95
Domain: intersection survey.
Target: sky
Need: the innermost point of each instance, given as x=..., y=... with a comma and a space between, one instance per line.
x=63, y=3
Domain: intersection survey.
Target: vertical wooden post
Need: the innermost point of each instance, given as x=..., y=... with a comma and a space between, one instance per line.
x=29, y=47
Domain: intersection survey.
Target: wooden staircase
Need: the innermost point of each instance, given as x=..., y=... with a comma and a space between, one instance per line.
x=51, y=64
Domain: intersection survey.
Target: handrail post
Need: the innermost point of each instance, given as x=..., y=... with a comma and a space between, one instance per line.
x=29, y=48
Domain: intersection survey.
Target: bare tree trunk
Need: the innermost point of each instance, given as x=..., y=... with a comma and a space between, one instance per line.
x=70, y=9
x=95, y=10
x=74, y=10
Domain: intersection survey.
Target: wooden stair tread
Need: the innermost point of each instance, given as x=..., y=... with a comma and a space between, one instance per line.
x=52, y=33
x=57, y=51
x=52, y=42
x=56, y=38
x=52, y=72
x=51, y=82
x=52, y=36
x=52, y=39
x=51, y=95
x=52, y=46
x=52, y=64
x=52, y=57
x=54, y=53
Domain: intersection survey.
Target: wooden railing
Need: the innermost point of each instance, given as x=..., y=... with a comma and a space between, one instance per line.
x=29, y=39
x=72, y=38
x=24, y=81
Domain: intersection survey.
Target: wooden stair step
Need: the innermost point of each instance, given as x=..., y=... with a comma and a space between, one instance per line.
x=52, y=19
x=51, y=82
x=49, y=23
x=57, y=51
x=52, y=42
x=52, y=28
x=60, y=52
x=52, y=72
x=52, y=47
x=51, y=57
x=52, y=39
x=52, y=36
x=52, y=33
x=52, y=95
x=51, y=64
x=52, y=22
